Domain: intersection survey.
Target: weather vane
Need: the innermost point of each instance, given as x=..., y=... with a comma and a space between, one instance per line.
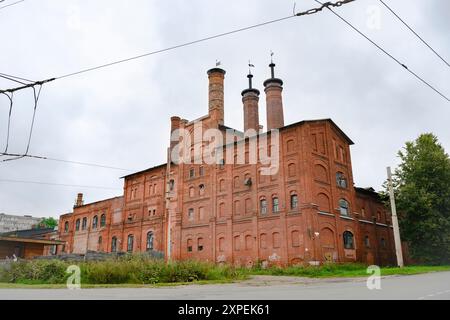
x=218, y=63
x=250, y=65
x=271, y=56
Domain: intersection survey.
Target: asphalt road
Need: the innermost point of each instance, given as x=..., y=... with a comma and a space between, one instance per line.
x=416, y=287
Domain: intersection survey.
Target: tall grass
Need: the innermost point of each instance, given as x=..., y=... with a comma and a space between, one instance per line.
x=137, y=269
x=131, y=270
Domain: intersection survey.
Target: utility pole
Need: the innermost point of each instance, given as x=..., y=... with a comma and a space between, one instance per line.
x=397, y=240
x=169, y=226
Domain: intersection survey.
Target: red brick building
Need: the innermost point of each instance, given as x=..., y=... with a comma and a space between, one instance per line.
x=306, y=210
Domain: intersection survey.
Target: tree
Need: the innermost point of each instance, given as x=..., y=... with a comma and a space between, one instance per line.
x=48, y=223
x=422, y=190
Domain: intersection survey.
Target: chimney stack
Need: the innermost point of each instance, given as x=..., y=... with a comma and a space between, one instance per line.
x=79, y=202
x=216, y=94
x=274, y=102
x=174, y=125
x=250, y=98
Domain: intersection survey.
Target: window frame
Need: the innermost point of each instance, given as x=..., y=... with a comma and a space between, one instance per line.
x=348, y=235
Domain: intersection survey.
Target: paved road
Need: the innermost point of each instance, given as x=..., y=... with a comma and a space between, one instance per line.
x=417, y=287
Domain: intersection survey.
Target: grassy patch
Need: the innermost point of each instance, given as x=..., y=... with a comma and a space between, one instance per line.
x=136, y=269
x=342, y=270
x=139, y=271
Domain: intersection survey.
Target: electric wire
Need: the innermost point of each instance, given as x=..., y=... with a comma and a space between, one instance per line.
x=415, y=33
x=11, y=4
x=388, y=54
x=66, y=161
x=56, y=184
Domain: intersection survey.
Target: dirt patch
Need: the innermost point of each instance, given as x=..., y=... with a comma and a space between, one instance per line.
x=264, y=280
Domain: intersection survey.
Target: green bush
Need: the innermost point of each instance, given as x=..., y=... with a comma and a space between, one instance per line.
x=133, y=269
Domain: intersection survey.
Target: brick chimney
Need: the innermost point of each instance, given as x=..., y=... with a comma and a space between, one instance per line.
x=274, y=102
x=79, y=202
x=250, y=98
x=216, y=96
x=174, y=125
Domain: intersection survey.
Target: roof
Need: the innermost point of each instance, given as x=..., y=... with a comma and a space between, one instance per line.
x=96, y=202
x=31, y=240
x=30, y=233
x=223, y=127
x=320, y=120
x=367, y=191
x=145, y=170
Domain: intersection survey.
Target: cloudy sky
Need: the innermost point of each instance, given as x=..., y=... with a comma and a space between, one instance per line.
x=119, y=116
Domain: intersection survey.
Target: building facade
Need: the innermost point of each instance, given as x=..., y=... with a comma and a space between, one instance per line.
x=10, y=223
x=295, y=204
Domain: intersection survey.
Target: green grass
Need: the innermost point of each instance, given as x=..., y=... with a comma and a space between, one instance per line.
x=343, y=270
x=139, y=271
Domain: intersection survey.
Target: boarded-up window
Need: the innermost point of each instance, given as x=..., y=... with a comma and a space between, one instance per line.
x=324, y=202
x=292, y=170
x=222, y=210
x=295, y=238
x=201, y=213
x=290, y=145
x=248, y=205
x=237, y=207
x=276, y=239
x=236, y=182
x=221, y=244
x=222, y=185
x=237, y=243
x=263, y=241
x=327, y=238
x=248, y=242
x=320, y=173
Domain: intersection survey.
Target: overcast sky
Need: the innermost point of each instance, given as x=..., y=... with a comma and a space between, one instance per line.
x=119, y=116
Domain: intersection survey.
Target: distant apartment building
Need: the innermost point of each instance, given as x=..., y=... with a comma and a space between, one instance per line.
x=10, y=223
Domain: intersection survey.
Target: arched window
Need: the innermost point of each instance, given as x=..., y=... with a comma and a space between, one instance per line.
x=150, y=241
x=343, y=207
x=294, y=201
x=84, y=224
x=201, y=189
x=348, y=240
x=367, y=241
x=201, y=171
x=77, y=225
x=100, y=240
x=263, y=206
x=189, y=245
x=94, y=222
x=191, y=214
x=103, y=220
x=340, y=180
x=200, y=244
x=130, y=243
x=383, y=243
x=66, y=226
x=114, y=244
x=237, y=207
x=275, y=204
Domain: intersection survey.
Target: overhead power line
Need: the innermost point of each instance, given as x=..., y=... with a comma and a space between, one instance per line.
x=64, y=161
x=303, y=13
x=11, y=4
x=56, y=184
x=15, y=77
x=415, y=33
x=388, y=54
